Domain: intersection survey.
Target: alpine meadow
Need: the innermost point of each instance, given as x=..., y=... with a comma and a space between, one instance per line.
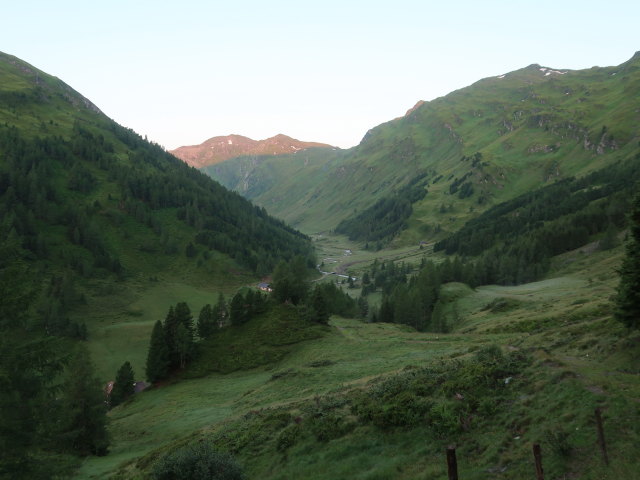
x=457, y=296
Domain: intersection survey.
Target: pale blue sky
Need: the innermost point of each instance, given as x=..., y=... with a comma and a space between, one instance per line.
x=327, y=71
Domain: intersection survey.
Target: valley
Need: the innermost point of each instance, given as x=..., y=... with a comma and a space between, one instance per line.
x=457, y=278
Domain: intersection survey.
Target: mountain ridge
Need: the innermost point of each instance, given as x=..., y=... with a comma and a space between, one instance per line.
x=220, y=148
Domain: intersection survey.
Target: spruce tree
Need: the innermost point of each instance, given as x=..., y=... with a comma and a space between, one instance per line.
x=206, y=321
x=320, y=307
x=157, y=366
x=123, y=386
x=184, y=341
x=237, y=309
x=221, y=311
x=170, y=334
x=83, y=417
x=183, y=316
x=628, y=296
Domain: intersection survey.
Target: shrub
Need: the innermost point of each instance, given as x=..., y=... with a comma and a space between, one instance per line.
x=197, y=461
x=287, y=437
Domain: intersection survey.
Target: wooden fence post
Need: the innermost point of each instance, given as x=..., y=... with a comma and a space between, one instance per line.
x=537, y=455
x=601, y=440
x=452, y=463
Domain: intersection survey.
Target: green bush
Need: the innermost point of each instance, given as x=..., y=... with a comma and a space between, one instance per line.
x=288, y=437
x=198, y=461
x=327, y=426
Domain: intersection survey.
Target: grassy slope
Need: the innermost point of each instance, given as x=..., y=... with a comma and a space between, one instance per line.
x=580, y=359
x=531, y=129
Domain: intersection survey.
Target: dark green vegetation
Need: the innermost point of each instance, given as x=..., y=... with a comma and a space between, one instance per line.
x=123, y=385
x=415, y=300
x=261, y=330
x=381, y=222
x=51, y=404
x=197, y=462
x=516, y=239
x=628, y=296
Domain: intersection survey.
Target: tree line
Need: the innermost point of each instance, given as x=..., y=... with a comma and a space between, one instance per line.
x=382, y=221
x=513, y=242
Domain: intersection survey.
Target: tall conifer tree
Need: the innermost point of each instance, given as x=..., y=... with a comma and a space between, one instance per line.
x=157, y=366
x=84, y=414
x=628, y=297
x=123, y=386
x=206, y=322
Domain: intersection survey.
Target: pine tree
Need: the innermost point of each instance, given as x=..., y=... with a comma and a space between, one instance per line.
x=123, y=386
x=157, y=366
x=237, y=310
x=320, y=307
x=206, y=322
x=170, y=334
x=363, y=307
x=221, y=311
x=83, y=423
x=628, y=296
x=183, y=315
x=290, y=281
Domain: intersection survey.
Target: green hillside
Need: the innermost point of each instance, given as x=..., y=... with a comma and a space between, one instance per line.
x=477, y=146
x=100, y=232
x=89, y=199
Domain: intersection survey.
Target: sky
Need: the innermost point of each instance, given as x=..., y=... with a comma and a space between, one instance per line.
x=325, y=71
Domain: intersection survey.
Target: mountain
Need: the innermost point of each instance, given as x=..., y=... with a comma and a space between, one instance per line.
x=100, y=233
x=219, y=149
x=471, y=149
x=100, y=217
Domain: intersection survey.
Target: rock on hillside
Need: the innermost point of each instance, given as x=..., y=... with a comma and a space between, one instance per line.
x=219, y=149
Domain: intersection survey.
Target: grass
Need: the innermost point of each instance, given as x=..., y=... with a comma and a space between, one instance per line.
x=579, y=359
x=120, y=325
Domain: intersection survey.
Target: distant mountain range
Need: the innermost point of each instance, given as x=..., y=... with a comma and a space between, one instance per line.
x=219, y=149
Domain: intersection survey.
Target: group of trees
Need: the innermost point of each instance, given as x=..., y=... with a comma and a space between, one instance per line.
x=51, y=404
x=385, y=218
x=212, y=318
x=291, y=285
x=412, y=300
x=514, y=241
x=172, y=343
